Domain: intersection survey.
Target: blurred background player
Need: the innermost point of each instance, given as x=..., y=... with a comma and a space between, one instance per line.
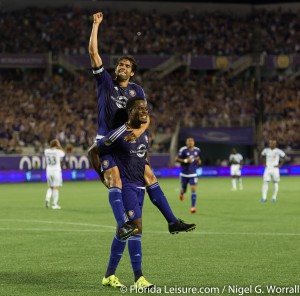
x=274, y=159
x=236, y=162
x=112, y=97
x=53, y=156
x=130, y=158
x=189, y=158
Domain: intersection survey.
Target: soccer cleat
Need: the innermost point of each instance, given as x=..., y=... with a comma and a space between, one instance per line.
x=181, y=197
x=180, y=226
x=262, y=200
x=273, y=199
x=142, y=283
x=126, y=231
x=112, y=281
x=193, y=210
x=47, y=204
x=56, y=207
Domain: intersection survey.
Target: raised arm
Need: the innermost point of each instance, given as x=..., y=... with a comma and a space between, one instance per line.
x=93, y=44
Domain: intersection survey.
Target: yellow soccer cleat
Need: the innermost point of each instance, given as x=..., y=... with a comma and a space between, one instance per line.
x=112, y=281
x=142, y=283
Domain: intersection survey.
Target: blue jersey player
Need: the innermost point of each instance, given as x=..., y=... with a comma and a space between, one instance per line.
x=131, y=158
x=189, y=157
x=112, y=96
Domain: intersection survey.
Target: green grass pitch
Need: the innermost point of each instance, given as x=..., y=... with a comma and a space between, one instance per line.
x=238, y=241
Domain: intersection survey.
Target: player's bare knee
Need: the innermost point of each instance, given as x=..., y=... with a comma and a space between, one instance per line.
x=149, y=176
x=112, y=177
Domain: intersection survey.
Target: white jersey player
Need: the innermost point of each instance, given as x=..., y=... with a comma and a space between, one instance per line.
x=53, y=156
x=275, y=158
x=236, y=161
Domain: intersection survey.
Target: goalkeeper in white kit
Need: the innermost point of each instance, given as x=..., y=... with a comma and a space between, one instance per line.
x=274, y=159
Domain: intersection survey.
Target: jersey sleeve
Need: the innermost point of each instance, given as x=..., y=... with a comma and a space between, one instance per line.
x=140, y=92
x=102, y=76
x=61, y=153
x=264, y=152
x=281, y=154
x=180, y=153
x=107, y=143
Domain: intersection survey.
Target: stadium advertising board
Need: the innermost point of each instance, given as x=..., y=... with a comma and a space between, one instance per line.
x=19, y=176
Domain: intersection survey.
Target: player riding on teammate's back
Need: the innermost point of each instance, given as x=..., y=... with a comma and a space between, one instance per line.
x=112, y=95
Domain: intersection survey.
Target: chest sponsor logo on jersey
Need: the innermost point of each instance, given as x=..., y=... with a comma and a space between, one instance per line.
x=120, y=101
x=140, y=151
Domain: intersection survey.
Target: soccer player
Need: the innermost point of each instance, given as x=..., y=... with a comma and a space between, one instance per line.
x=112, y=95
x=236, y=162
x=130, y=158
x=274, y=159
x=53, y=156
x=189, y=158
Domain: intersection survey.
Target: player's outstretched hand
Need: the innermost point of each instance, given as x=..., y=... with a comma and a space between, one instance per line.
x=132, y=136
x=98, y=17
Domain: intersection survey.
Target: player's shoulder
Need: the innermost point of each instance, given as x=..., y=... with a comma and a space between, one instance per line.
x=182, y=149
x=116, y=134
x=280, y=151
x=47, y=150
x=197, y=149
x=100, y=73
x=136, y=89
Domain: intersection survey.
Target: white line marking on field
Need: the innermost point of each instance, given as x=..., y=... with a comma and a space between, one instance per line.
x=57, y=222
x=54, y=230
x=113, y=227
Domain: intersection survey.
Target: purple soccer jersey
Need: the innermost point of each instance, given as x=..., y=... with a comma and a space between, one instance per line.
x=130, y=157
x=112, y=100
x=189, y=169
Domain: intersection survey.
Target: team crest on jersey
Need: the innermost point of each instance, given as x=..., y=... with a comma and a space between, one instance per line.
x=131, y=214
x=105, y=164
x=132, y=92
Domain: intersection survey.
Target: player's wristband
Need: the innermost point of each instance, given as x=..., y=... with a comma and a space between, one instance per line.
x=185, y=160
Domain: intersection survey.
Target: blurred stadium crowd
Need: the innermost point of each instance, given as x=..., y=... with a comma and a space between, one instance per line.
x=66, y=30
x=36, y=108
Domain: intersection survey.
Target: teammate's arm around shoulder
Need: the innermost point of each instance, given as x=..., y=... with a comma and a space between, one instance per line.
x=93, y=44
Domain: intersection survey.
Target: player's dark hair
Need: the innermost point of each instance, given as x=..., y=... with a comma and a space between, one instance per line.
x=131, y=101
x=131, y=60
